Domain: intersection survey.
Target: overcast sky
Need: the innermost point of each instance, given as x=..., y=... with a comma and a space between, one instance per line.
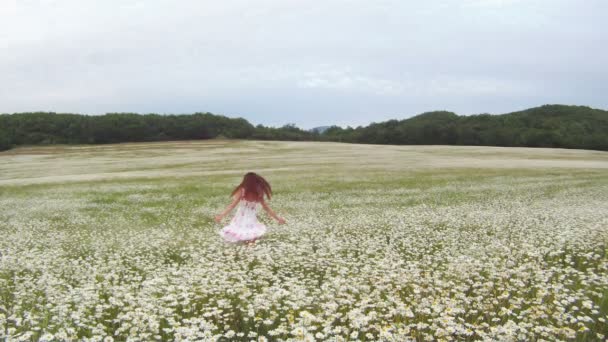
x=312, y=63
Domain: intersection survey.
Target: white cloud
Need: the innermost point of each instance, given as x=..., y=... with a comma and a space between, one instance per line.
x=350, y=82
x=266, y=58
x=491, y=3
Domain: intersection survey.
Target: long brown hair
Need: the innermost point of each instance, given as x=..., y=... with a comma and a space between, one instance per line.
x=255, y=185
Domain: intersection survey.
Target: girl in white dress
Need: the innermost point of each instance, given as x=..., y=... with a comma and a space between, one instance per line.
x=245, y=226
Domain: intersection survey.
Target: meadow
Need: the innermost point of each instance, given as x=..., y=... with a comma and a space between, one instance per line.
x=382, y=243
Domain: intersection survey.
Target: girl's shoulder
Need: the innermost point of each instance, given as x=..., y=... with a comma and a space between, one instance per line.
x=239, y=195
x=245, y=199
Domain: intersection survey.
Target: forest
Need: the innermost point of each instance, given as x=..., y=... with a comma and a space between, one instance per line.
x=558, y=126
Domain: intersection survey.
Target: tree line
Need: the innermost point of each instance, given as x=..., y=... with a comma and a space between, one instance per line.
x=546, y=126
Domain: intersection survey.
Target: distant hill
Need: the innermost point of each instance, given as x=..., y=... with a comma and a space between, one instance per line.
x=545, y=126
x=319, y=129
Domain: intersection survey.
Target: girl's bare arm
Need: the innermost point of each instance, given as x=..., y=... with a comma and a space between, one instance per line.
x=229, y=208
x=272, y=213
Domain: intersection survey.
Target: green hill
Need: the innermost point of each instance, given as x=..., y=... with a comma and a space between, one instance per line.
x=546, y=126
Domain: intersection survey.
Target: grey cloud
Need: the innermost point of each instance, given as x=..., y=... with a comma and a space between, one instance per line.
x=311, y=63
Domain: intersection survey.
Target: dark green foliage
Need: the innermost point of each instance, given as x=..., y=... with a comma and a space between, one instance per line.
x=6, y=134
x=545, y=126
x=51, y=128
x=5, y=142
x=287, y=132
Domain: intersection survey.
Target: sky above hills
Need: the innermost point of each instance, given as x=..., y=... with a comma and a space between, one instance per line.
x=312, y=63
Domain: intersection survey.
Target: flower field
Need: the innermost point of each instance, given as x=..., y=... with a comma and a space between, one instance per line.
x=382, y=243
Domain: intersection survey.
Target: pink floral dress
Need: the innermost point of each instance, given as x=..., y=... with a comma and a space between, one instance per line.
x=244, y=225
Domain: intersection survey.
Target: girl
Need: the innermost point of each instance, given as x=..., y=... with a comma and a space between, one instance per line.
x=245, y=226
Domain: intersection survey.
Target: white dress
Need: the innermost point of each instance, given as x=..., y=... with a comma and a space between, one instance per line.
x=244, y=225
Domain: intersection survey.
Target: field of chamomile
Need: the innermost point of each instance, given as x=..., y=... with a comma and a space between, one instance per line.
x=382, y=243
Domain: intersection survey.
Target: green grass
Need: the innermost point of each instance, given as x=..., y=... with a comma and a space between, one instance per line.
x=366, y=224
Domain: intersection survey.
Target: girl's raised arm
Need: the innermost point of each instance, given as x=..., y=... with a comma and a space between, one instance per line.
x=272, y=213
x=235, y=201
